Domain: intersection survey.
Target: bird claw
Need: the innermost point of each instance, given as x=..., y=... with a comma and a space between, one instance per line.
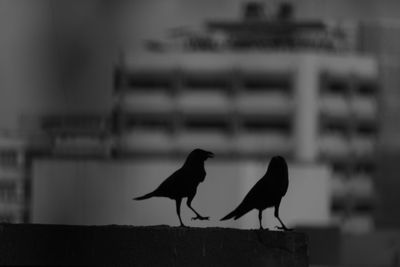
x=201, y=218
x=283, y=228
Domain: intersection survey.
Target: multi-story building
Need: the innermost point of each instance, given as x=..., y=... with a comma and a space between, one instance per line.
x=244, y=89
x=13, y=177
x=16, y=154
x=50, y=73
x=257, y=94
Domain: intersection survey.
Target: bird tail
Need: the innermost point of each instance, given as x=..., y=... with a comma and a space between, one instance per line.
x=236, y=213
x=149, y=195
x=229, y=216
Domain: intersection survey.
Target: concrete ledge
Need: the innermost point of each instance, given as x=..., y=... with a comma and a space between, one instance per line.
x=32, y=244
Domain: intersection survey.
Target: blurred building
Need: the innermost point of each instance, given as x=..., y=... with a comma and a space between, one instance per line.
x=380, y=38
x=255, y=88
x=54, y=59
x=245, y=89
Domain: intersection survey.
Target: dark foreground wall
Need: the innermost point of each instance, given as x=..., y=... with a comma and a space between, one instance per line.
x=113, y=245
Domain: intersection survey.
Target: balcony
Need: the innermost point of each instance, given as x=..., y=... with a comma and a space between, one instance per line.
x=263, y=143
x=215, y=141
x=334, y=105
x=358, y=224
x=149, y=63
x=362, y=145
x=346, y=65
x=147, y=102
x=204, y=102
x=259, y=103
x=339, y=186
x=75, y=125
x=361, y=186
x=146, y=141
x=273, y=63
x=364, y=108
x=334, y=145
x=205, y=64
x=81, y=146
x=211, y=62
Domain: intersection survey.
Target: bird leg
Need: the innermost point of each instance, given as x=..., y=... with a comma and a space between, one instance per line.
x=198, y=216
x=260, y=219
x=283, y=226
x=178, y=210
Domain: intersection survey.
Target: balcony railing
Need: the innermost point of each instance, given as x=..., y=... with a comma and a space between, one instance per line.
x=334, y=145
x=264, y=142
x=334, y=105
x=362, y=145
x=216, y=141
x=147, y=102
x=146, y=141
x=204, y=102
x=364, y=107
x=263, y=103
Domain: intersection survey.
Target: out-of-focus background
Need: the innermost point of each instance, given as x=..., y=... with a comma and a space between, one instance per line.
x=101, y=100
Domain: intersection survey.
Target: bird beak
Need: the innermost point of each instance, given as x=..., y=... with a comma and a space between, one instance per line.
x=210, y=155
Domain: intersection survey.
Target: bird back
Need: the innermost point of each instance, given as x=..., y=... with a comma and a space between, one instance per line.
x=267, y=192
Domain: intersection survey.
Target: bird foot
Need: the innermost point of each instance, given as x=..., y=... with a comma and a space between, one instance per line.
x=284, y=228
x=201, y=218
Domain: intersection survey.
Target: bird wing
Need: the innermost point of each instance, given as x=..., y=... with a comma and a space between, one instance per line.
x=244, y=207
x=263, y=194
x=247, y=204
x=178, y=185
x=171, y=186
x=268, y=190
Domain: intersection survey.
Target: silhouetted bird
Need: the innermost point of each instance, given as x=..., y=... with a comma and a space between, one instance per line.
x=183, y=182
x=266, y=193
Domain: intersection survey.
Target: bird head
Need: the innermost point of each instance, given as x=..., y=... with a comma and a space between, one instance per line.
x=278, y=159
x=200, y=155
x=277, y=164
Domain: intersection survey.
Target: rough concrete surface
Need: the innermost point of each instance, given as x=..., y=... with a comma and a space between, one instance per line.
x=113, y=245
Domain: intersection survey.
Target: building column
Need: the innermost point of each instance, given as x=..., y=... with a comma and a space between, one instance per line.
x=306, y=109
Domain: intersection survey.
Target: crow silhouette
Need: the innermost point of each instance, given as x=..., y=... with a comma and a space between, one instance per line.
x=183, y=182
x=266, y=193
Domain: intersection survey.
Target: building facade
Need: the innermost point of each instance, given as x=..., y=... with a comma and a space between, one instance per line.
x=254, y=93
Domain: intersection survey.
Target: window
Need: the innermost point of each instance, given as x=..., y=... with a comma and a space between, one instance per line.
x=265, y=125
x=199, y=125
x=74, y=124
x=151, y=81
x=367, y=89
x=153, y=123
x=207, y=83
x=280, y=84
x=8, y=158
x=8, y=191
